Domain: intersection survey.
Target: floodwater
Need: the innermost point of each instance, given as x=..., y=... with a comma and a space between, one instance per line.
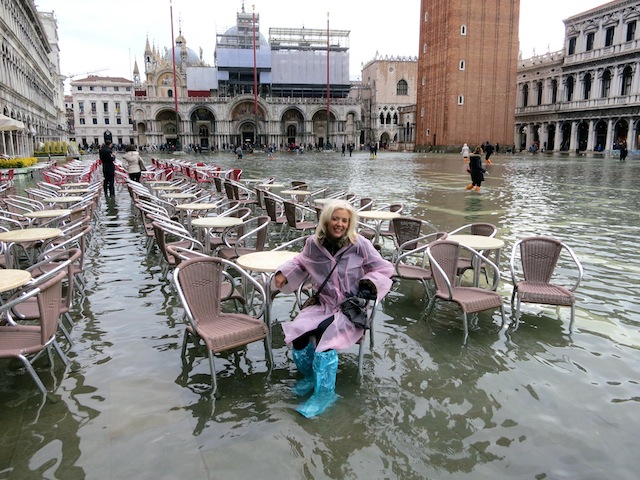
x=535, y=403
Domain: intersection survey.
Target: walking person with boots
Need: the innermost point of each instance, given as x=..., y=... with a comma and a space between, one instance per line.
x=465, y=153
x=475, y=169
x=108, y=158
x=133, y=160
x=341, y=265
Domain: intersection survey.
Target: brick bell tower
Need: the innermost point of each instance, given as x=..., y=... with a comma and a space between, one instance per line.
x=466, y=73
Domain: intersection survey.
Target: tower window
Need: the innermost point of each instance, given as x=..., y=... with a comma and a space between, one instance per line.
x=460, y=99
x=463, y=30
x=462, y=65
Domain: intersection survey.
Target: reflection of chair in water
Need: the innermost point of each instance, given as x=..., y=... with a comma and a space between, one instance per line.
x=443, y=258
x=538, y=257
x=198, y=282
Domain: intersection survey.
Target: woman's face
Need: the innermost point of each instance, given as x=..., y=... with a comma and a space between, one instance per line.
x=338, y=224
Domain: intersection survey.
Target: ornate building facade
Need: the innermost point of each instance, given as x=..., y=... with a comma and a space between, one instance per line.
x=276, y=97
x=388, y=99
x=467, y=73
x=31, y=91
x=586, y=96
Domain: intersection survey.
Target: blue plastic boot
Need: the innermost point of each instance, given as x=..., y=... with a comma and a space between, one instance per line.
x=304, y=362
x=325, y=368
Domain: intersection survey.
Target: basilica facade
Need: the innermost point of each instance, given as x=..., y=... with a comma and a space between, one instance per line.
x=277, y=92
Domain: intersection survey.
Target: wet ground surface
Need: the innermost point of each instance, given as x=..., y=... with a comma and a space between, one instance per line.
x=538, y=402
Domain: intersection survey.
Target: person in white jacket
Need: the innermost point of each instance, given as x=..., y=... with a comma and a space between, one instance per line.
x=465, y=153
x=132, y=160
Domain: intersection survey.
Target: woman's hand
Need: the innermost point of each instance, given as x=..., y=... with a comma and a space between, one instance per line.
x=280, y=280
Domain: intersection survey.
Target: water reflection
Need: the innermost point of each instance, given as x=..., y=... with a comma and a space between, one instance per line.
x=532, y=403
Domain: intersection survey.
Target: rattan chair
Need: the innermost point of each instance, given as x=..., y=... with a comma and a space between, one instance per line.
x=532, y=272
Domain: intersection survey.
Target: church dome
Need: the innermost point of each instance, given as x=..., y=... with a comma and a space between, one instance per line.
x=181, y=48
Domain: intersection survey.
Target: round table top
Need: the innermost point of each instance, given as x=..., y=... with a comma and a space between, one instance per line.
x=11, y=278
x=251, y=180
x=166, y=187
x=378, y=214
x=324, y=201
x=29, y=234
x=62, y=199
x=271, y=185
x=177, y=195
x=75, y=184
x=56, y=212
x=295, y=192
x=265, y=262
x=158, y=182
x=75, y=190
x=477, y=242
x=196, y=206
x=216, y=222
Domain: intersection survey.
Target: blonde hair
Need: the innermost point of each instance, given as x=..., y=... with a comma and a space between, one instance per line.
x=327, y=213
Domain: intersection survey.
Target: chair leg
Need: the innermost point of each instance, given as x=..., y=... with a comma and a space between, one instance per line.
x=65, y=332
x=60, y=353
x=466, y=328
x=573, y=313
x=214, y=382
x=33, y=374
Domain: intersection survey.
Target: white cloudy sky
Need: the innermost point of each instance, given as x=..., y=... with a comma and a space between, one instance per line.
x=106, y=37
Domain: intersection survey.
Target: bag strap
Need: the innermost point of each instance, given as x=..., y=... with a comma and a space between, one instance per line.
x=330, y=273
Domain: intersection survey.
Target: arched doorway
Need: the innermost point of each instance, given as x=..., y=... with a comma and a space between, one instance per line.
x=292, y=125
x=583, y=135
x=167, y=120
x=566, y=137
x=247, y=124
x=323, y=135
x=551, y=137
x=203, y=125
x=601, y=136
x=621, y=131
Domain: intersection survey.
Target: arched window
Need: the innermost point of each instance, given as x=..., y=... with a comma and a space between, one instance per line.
x=606, y=84
x=539, y=92
x=381, y=118
x=586, y=83
x=388, y=119
x=554, y=91
x=402, y=88
x=170, y=93
x=525, y=95
x=463, y=30
x=570, y=85
x=627, y=77
x=395, y=118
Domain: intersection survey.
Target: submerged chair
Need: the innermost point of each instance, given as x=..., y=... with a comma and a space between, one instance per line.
x=198, y=282
x=443, y=258
x=480, y=228
x=24, y=341
x=533, y=284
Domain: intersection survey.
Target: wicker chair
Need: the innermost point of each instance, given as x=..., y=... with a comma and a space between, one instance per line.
x=443, y=259
x=532, y=282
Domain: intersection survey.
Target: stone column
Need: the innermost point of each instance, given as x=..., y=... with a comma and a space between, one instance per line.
x=573, y=137
x=610, y=139
x=590, y=136
x=557, y=140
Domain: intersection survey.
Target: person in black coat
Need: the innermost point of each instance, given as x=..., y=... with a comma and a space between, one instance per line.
x=475, y=169
x=108, y=158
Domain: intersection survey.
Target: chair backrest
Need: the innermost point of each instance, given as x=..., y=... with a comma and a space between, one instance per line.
x=443, y=260
x=271, y=208
x=406, y=229
x=229, y=192
x=49, y=304
x=290, y=213
x=484, y=229
x=199, y=282
x=539, y=256
x=217, y=181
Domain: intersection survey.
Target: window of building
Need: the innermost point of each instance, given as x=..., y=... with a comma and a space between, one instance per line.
x=128, y=89
x=79, y=88
x=82, y=122
x=525, y=95
x=462, y=65
x=627, y=77
x=395, y=118
x=116, y=89
x=631, y=30
x=104, y=89
x=572, y=45
x=93, y=107
x=170, y=93
x=106, y=121
x=422, y=112
x=608, y=36
x=81, y=108
x=381, y=118
x=460, y=99
x=554, y=91
x=539, y=92
x=590, y=37
x=119, y=121
x=424, y=48
x=388, y=122
x=586, y=83
x=606, y=84
x=424, y=81
x=426, y=17
x=95, y=121
x=118, y=108
x=105, y=107
x=463, y=30
x=91, y=89
x=95, y=141
x=570, y=85
x=402, y=88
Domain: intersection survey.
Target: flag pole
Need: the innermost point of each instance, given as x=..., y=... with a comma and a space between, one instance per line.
x=175, y=80
x=328, y=83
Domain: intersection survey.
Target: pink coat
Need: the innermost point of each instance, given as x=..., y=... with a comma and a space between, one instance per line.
x=356, y=262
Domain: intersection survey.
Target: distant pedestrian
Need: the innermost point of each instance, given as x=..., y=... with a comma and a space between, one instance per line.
x=465, y=153
x=488, y=150
x=239, y=153
x=344, y=149
x=108, y=158
x=623, y=151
